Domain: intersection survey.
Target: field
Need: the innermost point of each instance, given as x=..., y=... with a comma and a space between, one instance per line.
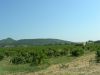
x=8, y=68
x=79, y=66
x=50, y=60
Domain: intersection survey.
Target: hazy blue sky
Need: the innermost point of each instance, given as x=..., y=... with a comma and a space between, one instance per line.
x=75, y=20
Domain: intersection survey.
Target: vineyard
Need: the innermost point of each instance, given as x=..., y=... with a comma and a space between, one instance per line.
x=34, y=58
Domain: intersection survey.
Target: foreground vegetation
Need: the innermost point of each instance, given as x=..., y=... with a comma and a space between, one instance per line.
x=35, y=58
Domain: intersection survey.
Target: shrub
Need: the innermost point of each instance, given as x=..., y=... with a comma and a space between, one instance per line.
x=49, y=52
x=38, y=57
x=17, y=60
x=1, y=57
x=98, y=56
x=77, y=52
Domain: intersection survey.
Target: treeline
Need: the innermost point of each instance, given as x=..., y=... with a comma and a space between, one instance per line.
x=40, y=54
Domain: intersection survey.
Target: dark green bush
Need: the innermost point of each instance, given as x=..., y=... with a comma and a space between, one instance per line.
x=38, y=57
x=18, y=60
x=77, y=52
x=1, y=57
x=98, y=56
x=50, y=52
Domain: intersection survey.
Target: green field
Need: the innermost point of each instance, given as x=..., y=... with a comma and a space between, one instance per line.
x=8, y=68
x=17, y=60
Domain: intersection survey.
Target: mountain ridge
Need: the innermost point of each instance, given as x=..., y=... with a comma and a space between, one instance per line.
x=39, y=41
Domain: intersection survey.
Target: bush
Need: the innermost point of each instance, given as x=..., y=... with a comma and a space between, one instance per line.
x=18, y=60
x=1, y=57
x=98, y=56
x=77, y=52
x=50, y=52
x=38, y=57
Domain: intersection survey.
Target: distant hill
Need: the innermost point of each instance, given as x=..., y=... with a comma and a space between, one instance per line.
x=98, y=41
x=8, y=41
x=26, y=42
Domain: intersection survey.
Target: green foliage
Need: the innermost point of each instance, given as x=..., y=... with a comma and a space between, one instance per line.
x=38, y=57
x=77, y=52
x=49, y=54
x=38, y=54
x=17, y=60
x=1, y=56
x=34, y=57
x=98, y=56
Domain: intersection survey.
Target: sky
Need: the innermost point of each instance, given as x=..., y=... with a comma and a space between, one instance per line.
x=72, y=20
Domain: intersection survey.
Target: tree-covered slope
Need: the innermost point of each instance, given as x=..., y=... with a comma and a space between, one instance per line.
x=12, y=42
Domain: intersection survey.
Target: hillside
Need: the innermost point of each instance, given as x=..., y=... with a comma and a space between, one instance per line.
x=11, y=42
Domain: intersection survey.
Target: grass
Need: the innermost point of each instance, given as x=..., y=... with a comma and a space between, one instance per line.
x=8, y=68
x=60, y=59
x=53, y=67
x=79, y=66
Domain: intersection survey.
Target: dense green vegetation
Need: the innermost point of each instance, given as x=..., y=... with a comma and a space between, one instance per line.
x=39, y=54
x=77, y=52
x=98, y=56
x=35, y=54
x=44, y=55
